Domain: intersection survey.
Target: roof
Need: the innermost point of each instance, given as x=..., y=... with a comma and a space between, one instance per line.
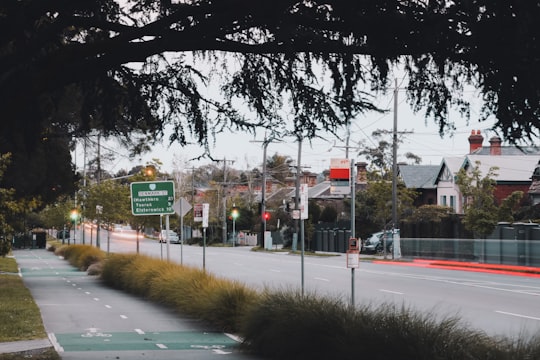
x=510, y=167
x=453, y=163
x=508, y=151
x=419, y=176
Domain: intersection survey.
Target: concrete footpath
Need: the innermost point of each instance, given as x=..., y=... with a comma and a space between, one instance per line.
x=86, y=320
x=28, y=346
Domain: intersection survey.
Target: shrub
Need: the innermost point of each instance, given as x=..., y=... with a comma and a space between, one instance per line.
x=5, y=246
x=187, y=290
x=287, y=325
x=81, y=256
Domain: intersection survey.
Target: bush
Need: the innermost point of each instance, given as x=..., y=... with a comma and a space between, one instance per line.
x=81, y=256
x=187, y=290
x=287, y=325
x=5, y=247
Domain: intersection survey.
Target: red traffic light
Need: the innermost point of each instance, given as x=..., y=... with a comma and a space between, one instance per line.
x=266, y=216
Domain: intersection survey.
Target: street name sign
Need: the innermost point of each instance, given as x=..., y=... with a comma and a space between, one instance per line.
x=152, y=198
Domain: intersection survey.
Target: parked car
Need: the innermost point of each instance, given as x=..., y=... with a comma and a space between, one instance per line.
x=62, y=234
x=173, y=237
x=375, y=243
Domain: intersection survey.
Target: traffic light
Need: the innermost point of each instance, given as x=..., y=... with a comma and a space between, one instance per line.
x=234, y=213
x=266, y=216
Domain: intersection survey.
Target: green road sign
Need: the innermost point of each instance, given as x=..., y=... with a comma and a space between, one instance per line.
x=152, y=198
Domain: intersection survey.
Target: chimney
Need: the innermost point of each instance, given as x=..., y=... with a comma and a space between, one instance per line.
x=495, y=148
x=475, y=141
x=361, y=173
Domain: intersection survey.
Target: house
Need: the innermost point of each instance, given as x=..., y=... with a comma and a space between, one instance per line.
x=534, y=189
x=514, y=166
x=445, y=182
x=422, y=179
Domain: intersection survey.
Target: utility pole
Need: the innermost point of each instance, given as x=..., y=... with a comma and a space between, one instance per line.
x=394, y=161
x=299, y=221
x=266, y=142
x=98, y=230
x=224, y=197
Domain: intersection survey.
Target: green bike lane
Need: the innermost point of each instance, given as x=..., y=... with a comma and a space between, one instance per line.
x=87, y=320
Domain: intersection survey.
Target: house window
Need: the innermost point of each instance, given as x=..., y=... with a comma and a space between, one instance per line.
x=453, y=202
x=443, y=200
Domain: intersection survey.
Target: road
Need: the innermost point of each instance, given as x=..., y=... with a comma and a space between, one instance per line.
x=498, y=304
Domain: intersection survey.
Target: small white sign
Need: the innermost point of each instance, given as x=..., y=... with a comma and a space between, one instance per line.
x=206, y=212
x=304, y=201
x=353, y=259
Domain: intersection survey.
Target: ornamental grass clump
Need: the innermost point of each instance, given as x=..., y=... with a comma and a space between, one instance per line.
x=187, y=290
x=81, y=256
x=288, y=325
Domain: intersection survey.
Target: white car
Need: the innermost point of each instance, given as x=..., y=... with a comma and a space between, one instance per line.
x=173, y=237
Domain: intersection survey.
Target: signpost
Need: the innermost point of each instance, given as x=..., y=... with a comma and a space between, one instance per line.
x=200, y=214
x=152, y=198
x=340, y=176
x=181, y=207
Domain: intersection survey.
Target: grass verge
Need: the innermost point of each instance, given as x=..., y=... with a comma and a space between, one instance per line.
x=20, y=318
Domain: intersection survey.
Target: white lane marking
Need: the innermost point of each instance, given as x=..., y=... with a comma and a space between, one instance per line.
x=97, y=299
x=139, y=331
x=275, y=270
x=517, y=315
x=87, y=292
x=322, y=279
x=391, y=292
x=123, y=316
x=55, y=343
x=161, y=346
x=221, y=352
x=108, y=306
x=234, y=337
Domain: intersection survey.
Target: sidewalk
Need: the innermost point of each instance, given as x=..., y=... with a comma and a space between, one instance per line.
x=28, y=346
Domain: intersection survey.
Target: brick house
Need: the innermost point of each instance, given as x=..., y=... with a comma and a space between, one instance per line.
x=515, y=167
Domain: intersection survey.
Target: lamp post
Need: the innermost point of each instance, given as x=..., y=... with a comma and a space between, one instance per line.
x=234, y=216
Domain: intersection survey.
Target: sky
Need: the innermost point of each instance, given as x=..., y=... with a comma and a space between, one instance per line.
x=244, y=151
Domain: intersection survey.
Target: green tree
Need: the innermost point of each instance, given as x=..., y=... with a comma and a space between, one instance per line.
x=380, y=154
x=279, y=167
x=429, y=213
x=67, y=70
x=55, y=216
x=508, y=206
x=113, y=198
x=481, y=212
x=374, y=206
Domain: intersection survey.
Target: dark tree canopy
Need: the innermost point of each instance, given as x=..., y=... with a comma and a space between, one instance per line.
x=130, y=68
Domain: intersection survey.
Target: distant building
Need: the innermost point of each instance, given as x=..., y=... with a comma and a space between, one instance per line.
x=422, y=179
x=514, y=169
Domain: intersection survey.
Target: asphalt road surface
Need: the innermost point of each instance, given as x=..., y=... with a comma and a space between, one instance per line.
x=498, y=304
